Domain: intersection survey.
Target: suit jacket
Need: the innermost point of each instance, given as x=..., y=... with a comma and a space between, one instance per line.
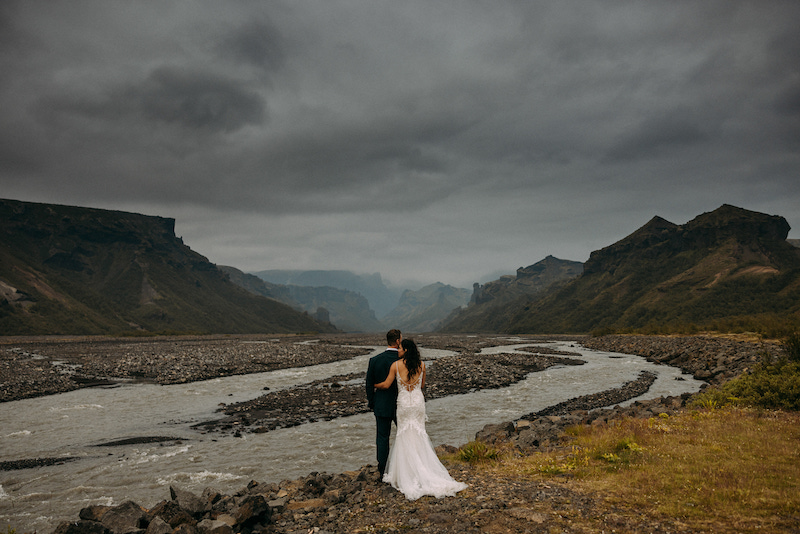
x=381, y=401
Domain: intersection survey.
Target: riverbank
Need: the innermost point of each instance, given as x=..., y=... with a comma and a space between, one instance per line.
x=527, y=432
x=515, y=493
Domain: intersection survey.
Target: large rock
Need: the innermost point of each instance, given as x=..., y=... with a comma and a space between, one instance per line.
x=189, y=501
x=125, y=518
x=539, y=434
x=158, y=526
x=171, y=513
x=94, y=512
x=214, y=526
x=252, y=509
x=81, y=527
x=492, y=434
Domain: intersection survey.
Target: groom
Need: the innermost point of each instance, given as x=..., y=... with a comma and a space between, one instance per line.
x=383, y=402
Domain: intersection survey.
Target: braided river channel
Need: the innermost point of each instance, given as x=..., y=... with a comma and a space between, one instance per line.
x=73, y=424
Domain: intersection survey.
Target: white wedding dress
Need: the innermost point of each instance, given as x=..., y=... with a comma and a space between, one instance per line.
x=413, y=467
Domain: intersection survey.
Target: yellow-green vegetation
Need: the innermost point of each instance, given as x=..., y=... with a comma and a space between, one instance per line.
x=764, y=325
x=476, y=451
x=731, y=464
x=730, y=470
x=770, y=385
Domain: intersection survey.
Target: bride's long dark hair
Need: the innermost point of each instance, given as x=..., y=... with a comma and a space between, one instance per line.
x=411, y=357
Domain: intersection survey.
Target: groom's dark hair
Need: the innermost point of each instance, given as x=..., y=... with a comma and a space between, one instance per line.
x=392, y=336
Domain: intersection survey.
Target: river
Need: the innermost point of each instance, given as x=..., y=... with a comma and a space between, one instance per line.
x=74, y=423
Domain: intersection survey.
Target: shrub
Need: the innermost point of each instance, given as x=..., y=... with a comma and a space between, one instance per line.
x=477, y=451
x=770, y=385
x=792, y=347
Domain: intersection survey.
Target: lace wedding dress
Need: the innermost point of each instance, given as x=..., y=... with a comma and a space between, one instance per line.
x=413, y=467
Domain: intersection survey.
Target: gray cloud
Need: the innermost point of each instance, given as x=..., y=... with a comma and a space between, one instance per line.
x=439, y=141
x=197, y=101
x=258, y=43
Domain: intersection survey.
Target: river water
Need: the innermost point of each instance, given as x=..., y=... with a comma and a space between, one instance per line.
x=74, y=423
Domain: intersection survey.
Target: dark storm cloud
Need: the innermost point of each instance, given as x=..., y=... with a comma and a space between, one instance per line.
x=658, y=137
x=191, y=100
x=196, y=100
x=309, y=134
x=256, y=43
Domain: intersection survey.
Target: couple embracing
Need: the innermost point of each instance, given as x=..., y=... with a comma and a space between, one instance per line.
x=395, y=379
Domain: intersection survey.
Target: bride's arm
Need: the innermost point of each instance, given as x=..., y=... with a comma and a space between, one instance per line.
x=423, y=375
x=386, y=384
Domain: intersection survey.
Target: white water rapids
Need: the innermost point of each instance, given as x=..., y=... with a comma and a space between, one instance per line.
x=72, y=424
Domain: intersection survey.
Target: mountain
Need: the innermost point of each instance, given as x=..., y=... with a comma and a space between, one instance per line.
x=423, y=310
x=490, y=302
x=347, y=310
x=730, y=264
x=72, y=270
x=381, y=298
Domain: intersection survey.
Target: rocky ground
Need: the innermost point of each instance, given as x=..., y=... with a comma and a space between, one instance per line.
x=357, y=501
x=712, y=359
x=341, y=396
x=32, y=367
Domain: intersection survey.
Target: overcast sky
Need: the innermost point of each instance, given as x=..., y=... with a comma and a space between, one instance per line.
x=434, y=141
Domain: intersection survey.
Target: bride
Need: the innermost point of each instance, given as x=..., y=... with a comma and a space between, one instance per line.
x=413, y=467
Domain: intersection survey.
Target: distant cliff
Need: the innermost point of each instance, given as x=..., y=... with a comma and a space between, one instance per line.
x=727, y=266
x=73, y=270
x=381, y=298
x=490, y=302
x=346, y=310
x=423, y=310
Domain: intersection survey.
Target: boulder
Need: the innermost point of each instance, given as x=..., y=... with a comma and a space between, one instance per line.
x=252, y=509
x=158, y=526
x=214, y=526
x=94, y=512
x=540, y=433
x=189, y=501
x=492, y=434
x=81, y=527
x=171, y=512
x=125, y=518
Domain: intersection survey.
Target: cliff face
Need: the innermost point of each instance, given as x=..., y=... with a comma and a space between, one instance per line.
x=528, y=281
x=724, y=264
x=423, y=310
x=348, y=311
x=490, y=302
x=381, y=298
x=758, y=237
x=72, y=270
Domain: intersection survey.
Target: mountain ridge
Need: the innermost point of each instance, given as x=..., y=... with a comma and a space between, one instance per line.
x=726, y=264
x=423, y=310
x=489, y=302
x=75, y=270
x=346, y=310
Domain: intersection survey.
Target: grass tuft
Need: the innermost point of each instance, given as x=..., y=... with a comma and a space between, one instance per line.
x=476, y=452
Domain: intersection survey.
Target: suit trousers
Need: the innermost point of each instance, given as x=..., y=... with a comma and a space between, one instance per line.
x=383, y=427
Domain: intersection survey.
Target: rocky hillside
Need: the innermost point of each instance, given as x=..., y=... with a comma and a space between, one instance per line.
x=347, y=310
x=72, y=270
x=424, y=310
x=381, y=298
x=491, y=301
x=727, y=264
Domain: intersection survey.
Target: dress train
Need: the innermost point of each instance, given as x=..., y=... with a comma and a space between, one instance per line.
x=413, y=467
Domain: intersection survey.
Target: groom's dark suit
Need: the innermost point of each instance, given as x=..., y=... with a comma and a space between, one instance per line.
x=383, y=402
